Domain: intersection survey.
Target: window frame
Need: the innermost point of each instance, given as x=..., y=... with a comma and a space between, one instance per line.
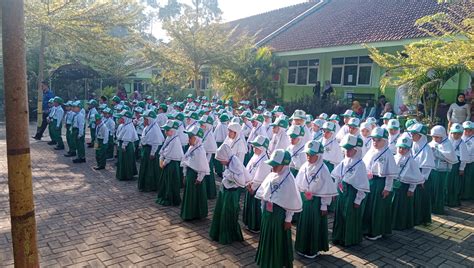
x=344, y=65
x=296, y=67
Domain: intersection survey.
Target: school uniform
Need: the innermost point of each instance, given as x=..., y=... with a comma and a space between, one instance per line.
x=258, y=170
x=454, y=182
x=78, y=129
x=280, y=200
x=139, y=126
x=367, y=145
x=110, y=123
x=51, y=127
x=195, y=168
x=279, y=141
x=467, y=192
x=382, y=169
x=298, y=156
x=317, y=189
x=101, y=144
x=332, y=155
x=392, y=141
x=69, y=138
x=150, y=170
x=91, y=122
x=210, y=147
x=171, y=154
x=56, y=124
x=126, y=164
x=220, y=134
x=238, y=143
x=225, y=227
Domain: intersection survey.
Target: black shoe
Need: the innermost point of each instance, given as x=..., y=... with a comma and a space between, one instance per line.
x=70, y=154
x=51, y=143
x=77, y=160
x=36, y=138
x=99, y=168
x=90, y=145
x=58, y=148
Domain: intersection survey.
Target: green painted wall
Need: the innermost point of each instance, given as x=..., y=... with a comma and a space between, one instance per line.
x=293, y=92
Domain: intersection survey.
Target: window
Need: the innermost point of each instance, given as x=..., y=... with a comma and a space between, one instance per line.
x=351, y=71
x=303, y=72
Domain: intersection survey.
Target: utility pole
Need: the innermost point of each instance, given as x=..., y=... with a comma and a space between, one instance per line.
x=22, y=211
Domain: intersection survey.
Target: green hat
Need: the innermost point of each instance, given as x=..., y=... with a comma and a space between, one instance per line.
x=379, y=133
x=309, y=118
x=299, y=114
x=51, y=100
x=329, y=126
x=388, y=116
x=296, y=131
x=261, y=141
x=204, y=98
x=170, y=124
x=278, y=109
x=148, y=97
x=141, y=104
x=246, y=114
x=169, y=99
x=201, y=112
x=418, y=128
x=240, y=108
x=190, y=96
x=195, y=131
x=351, y=141
x=126, y=113
x=116, y=99
x=319, y=122
x=102, y=106
x=224, y=118
x=456, y=128
x=267, y=114
x=179, y=116
x=68, y=103
x=92, y=102
x=348, y=113
x=97, y=117
x=323, y=116
x=280, y=122
x=193, y=115
x=58, y=100
x=107, y=110
x=354, y=122
x=279, y=157
x=410, y=122
x=468, y=125
x=263, y=103
x=150, y=114
x=259, y=108
x=77, y=104
x=313, y=147
x=371, y=120
x=404, y=141
x=334, y=117
x=163, y=106
x=393, y=124
x=138, y=110
x=206, y=119
x=258, y=117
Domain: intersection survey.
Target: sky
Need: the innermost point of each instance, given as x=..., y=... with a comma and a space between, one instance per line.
x=236, y=9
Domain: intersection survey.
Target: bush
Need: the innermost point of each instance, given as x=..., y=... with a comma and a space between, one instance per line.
x=315, y=106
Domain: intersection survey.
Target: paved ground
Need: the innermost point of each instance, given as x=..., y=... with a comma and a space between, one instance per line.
x=87, y=218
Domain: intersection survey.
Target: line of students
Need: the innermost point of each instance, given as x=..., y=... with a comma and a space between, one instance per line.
x=375, y=179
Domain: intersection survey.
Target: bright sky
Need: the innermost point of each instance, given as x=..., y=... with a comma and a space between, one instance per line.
x=236, y=9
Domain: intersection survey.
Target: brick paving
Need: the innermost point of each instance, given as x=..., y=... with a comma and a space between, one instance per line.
x=86, y=218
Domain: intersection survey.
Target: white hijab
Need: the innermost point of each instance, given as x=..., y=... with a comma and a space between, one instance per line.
x=460, y=149
x=220, y=133
x=392, y=141
x=235, y=172
x=258, y=169
x=280, y=188
x=332, y=151
x=172, y=148
x=238, y=143
x=353, y=171
x=380, y=162
x=195, y=158
x=127, y=133
x=152, y=134
x=422, y=153
x=258, y=130
x=443, y=152
x=315, y=178
x=409, y=170
x=279, y=141
x=208, y=140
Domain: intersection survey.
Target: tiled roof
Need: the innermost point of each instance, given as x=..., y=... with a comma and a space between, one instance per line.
x=264, y=24
x=341, y=22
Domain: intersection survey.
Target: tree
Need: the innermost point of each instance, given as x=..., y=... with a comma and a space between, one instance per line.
x=250, y=74
x=81, y=27
x=425, y=66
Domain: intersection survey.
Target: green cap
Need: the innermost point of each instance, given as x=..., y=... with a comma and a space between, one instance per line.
x=179, y=116
x=351, y=141
x=107, y=110
x=97, y=117
x=138, y=109
x=224, y=118
x=280, y=122
x=468, y=125
x=279, y=157
x=354, y=122
x=193, y=115
x=456, y=128
x=261, y=141
x=150, y=114
x=393, y=124
x=348, y=113
x=278, y=109
x=58, y=100
x=92, y=102
x=246, y=114
x=170, y=124
x=206, y=119
x=116, y=99
x=334, y=117
x=299, y=114
x=418, y=128
x=329, y=126
x=195, y=131
x=379, y=133
x=126, y=113
x=313, y=147
x=141, y=104
x=258, y=117
x=296, y=131
x=388, y=116
x=404, y=141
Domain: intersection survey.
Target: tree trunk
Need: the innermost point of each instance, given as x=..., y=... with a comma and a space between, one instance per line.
x=41, y=77
x=22, y=211
x=197, y=85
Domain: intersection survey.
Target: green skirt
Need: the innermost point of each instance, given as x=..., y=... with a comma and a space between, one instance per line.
x=347, y=226
x=150, y=170
x=194, y=205
x=453, y=187
x=111, y=147
x=168, y=185
x=312, y=228
x=252, y=212
x=217, y=164
x=402, y=207
x=467, y=182
x=377, y=218
x=70, y=140
x=438, y=191
x=275, y=246
x=422, y=206
x=225, y=227
x=126, y=165
x=210, y=181
x=247, y=157
x=100, y=153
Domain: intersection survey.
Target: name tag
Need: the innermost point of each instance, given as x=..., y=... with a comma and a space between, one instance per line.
x=269, y=206
x=308, y=196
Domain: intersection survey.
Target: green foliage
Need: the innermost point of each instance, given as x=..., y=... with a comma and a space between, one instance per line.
x=427, y=65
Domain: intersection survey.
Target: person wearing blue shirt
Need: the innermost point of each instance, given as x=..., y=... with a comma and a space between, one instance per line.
x=47, y=95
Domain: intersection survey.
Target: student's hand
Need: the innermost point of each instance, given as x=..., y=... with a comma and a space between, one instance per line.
x=385, y=193
x=324, y=212
x=249, y=188
x=287, y=226
x=461, y=173
x=356, y=205
x=410, y=194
